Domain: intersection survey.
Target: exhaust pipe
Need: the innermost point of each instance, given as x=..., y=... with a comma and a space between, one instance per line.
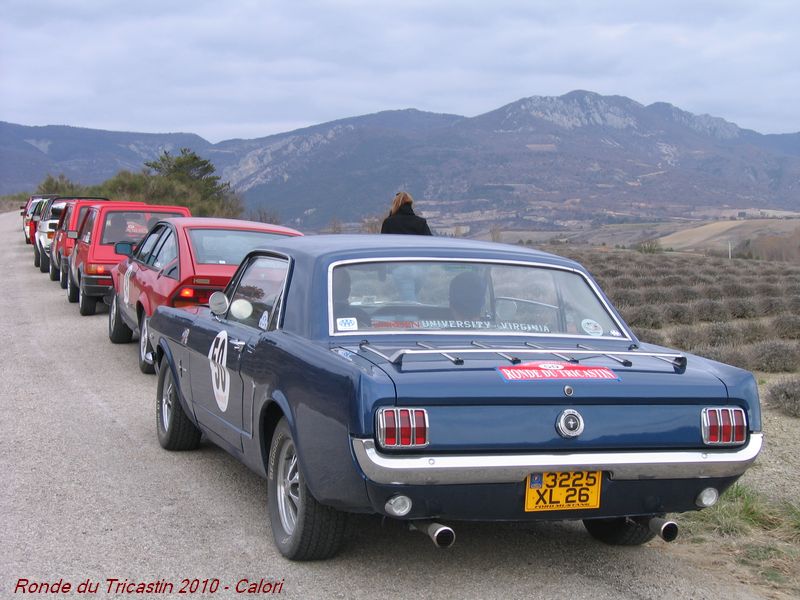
x=441, y=535
x=666, y=530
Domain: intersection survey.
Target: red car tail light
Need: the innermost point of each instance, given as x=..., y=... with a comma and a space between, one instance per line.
x=723, y=426
x=97, y=269
x=402, y=427
x=190, y=296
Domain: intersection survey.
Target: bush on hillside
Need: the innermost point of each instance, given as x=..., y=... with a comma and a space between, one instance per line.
x=775, y=356
x=785, y=395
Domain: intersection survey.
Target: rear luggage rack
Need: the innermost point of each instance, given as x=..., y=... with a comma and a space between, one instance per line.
x=509, y=353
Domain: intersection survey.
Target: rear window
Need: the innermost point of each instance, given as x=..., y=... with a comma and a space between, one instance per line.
x=130, y=225
x=227, y=246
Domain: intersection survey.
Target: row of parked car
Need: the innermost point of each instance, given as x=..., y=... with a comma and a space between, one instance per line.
x=413, y=377
x=91, y=246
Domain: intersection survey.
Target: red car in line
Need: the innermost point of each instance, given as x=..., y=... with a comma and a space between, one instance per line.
x=61, y=247
x=94, y=254
x=180, y=263
x=32, y=217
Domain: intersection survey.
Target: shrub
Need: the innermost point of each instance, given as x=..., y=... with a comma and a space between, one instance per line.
x=654, y=295
x=767, y=289
x=644, y=316
x=754, y=331
x=742, y=308
x=710, y=310
x=678, y=313
x=787, y=326
x=771, y=306
x=623, y=283
x=672, y=280
x=711, y=292
x=785, y=395
x=774, y=356
x=734, y=289
x=651, y=336
x=624, y=297
x=794, y=304
x=688, y=338
x=721, y=334
x=729, y=354
x=684, y=293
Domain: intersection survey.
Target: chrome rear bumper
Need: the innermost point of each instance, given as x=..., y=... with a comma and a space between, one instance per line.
x=508, y=468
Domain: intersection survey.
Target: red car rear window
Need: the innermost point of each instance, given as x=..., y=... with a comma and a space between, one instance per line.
x=227, y=246
x=130, y=225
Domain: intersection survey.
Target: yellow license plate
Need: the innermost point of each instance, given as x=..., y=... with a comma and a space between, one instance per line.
x=575, y=490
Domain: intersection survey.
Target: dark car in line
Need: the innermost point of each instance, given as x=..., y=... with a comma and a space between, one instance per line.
x=433, y=381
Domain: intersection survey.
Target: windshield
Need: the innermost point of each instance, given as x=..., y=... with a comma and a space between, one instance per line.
x=226, y=246
x=466, y=297
x=130, y=225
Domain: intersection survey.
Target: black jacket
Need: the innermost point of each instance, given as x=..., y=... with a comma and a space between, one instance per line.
x=405, y=221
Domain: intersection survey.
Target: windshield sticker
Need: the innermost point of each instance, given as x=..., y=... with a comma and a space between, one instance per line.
x=218, y=359
x=347, y=324
x=615, y=333
x=592, y=327
x=540, y=371
x=263, y=322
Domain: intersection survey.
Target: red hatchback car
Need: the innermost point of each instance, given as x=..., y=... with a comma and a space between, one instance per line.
x=181, y=262
x=94, y=255
x=62, y=245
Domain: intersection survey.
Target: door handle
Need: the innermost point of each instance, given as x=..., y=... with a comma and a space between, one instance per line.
x=238, y=344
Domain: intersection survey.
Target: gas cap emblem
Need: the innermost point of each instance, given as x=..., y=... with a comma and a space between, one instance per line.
x=569, y=423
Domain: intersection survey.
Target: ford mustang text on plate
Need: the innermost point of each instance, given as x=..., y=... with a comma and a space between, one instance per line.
x=435, y=380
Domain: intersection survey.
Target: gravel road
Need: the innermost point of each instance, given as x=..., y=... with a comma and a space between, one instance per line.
x=89, y=494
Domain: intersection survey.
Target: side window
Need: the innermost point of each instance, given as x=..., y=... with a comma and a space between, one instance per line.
x=63, y=222
x=257, y=296
x=167, y=252
x=85, y=233
x=147, y=245
x=157, y=249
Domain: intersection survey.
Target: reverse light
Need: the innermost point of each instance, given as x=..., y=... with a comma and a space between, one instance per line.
x=707, y=498
x=723, y=426
x=398, y=506
x=402, y=427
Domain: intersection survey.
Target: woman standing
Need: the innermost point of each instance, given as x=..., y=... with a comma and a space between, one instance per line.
x=402, y=219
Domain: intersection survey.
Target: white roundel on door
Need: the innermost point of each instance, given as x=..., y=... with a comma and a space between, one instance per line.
x=126, y=285
x=218, y=359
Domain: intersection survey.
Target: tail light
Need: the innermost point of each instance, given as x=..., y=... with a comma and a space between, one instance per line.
x=724, y=426
x=50, y=235
x=97, y=269
x=402, y=427
x=191, y=296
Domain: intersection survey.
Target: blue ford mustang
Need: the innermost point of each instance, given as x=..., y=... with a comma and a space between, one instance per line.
x=432, y=379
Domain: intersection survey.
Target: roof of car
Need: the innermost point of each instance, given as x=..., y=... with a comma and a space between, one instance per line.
x=133, y=206
x=343, y=247
x=218, y=223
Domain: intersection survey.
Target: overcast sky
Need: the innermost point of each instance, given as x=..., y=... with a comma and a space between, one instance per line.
x=249, y=68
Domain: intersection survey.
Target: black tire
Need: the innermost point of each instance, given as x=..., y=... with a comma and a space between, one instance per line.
x=63, y=273
x=53, y=271
x=36, y=257
x=307, y=530
x=623, y=531
x=72, y=288
x=44, y=261
x=118, y=331
x=87, y=305
x=145, y=366
x=174, y=429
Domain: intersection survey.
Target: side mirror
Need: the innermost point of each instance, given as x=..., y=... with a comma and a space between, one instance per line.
x=218, y=303
x=124, y=248
x=72, y=234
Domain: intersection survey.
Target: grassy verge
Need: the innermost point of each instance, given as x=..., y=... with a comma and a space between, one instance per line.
x=761, y=535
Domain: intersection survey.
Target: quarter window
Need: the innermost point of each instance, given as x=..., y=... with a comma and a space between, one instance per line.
x=258, y=293
x=148, y=244
x=167, y=252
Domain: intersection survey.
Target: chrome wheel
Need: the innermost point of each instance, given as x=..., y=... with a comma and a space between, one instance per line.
x=143, y=341
x=112, y=314
x=166, y=403
x=288, y=481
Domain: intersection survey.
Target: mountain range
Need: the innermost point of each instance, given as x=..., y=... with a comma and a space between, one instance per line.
x=539, y=162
